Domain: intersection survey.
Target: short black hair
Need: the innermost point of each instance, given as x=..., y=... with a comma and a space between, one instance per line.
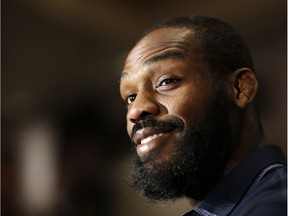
x=222, y=47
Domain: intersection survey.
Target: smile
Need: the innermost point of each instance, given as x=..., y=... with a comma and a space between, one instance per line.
x=148, y=139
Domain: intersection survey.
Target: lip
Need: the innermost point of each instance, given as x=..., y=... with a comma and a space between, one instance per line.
x=149, y=139
x=147, y=132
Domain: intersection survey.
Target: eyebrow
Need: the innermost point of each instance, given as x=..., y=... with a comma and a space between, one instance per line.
x=164, y=56
x=160, y=57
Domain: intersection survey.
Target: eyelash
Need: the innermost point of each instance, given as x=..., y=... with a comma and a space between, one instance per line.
x=129, y=98
x=170, y=80
x=167, y=81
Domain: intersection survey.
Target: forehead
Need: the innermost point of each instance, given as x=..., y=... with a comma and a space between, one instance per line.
x=162, y=40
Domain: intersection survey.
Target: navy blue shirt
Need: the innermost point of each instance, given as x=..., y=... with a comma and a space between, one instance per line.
x=256, y=187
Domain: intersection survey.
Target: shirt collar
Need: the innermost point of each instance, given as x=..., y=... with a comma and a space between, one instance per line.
x=225, y=196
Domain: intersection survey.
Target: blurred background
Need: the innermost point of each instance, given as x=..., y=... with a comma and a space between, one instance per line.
x=64, y=145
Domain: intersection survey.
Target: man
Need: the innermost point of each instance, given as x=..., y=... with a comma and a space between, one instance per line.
x=190, y=89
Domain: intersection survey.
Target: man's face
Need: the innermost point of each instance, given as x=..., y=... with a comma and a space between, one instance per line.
x=174, y=115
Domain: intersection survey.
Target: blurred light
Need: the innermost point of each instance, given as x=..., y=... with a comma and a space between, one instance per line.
x=37, y=167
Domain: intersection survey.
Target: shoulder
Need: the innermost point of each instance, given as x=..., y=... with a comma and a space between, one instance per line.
x=268, y=197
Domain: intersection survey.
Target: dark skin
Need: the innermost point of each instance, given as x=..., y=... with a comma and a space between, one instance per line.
x=164, y=77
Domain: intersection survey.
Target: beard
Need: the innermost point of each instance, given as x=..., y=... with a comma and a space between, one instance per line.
x=197, y=162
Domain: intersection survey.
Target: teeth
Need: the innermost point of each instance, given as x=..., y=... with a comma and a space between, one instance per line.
x=148, y=139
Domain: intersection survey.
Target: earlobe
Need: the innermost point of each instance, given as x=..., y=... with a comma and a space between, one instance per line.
x=245, y=86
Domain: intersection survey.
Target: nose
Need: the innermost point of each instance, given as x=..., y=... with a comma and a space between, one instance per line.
x=143, y=107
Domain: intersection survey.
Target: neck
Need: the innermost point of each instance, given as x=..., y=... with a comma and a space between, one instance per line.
x=248, y=137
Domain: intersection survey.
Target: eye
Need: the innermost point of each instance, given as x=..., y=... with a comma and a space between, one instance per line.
x=130, y=98
x=167, y=81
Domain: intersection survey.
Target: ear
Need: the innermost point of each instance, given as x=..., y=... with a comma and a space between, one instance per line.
x=245, y=85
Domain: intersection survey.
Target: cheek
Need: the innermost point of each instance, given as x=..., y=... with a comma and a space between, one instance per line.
x=188, y=108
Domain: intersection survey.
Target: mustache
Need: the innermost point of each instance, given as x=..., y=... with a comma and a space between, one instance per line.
x=159, y=125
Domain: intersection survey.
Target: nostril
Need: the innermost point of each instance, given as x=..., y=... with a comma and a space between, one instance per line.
x=142, y=116
x=145, y=114
x=134, y=121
